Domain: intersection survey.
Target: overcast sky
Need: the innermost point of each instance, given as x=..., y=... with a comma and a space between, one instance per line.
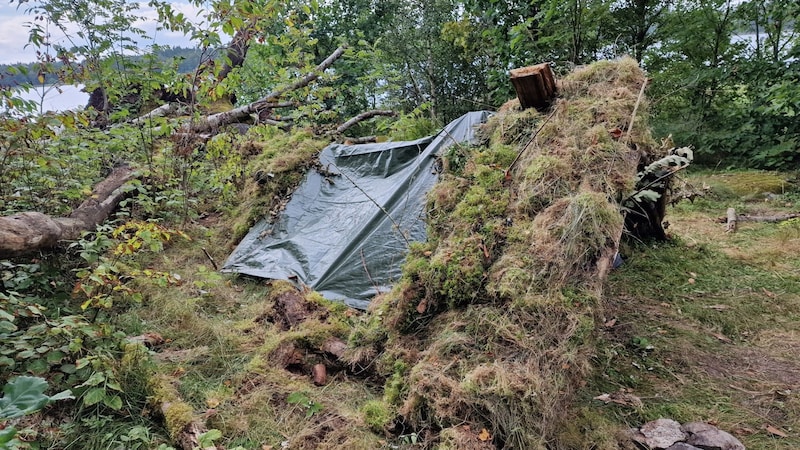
x=14, y=32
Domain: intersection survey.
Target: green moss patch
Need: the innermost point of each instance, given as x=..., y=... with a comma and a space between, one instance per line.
x=495, y=315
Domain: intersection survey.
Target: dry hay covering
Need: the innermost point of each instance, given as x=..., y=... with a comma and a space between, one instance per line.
x=495, y=317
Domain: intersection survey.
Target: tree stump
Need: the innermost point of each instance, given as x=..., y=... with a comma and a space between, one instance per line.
x=535, y=86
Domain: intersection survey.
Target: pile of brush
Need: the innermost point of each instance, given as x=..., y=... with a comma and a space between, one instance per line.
x=488, y=335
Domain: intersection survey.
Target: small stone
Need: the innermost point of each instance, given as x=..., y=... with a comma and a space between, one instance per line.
x=715, y=440
x=682, y=446
x=662, y=433
x=320, y=374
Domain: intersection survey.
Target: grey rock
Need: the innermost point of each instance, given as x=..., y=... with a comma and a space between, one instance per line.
x=662, y=433
x=697, y=427
x=715, y=440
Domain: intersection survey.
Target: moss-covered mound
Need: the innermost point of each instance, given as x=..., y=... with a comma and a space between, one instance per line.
x=492, y=326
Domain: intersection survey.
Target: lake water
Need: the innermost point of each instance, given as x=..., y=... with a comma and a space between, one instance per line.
x=57, y=98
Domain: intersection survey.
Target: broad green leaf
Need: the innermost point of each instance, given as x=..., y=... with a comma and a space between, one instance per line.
x=7, y=327
x=207, y=439
x=94, y=396
x=6, y=361
x=8, y=438
x=113, y=402
x=23, y=395
x=38, y=367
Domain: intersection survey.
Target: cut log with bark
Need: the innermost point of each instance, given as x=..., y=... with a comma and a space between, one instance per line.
x=291, y=308
x=320, y=374
x=535, y=86
x=215, y=121
x=28, y=232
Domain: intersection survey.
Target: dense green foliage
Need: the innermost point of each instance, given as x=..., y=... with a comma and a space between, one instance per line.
x=723, y=73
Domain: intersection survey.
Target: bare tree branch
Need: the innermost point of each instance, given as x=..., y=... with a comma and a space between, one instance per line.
x=364, y=116
x=216, y=120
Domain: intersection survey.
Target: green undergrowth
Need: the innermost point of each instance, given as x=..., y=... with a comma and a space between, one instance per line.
x=699, y=328
x=228, y=363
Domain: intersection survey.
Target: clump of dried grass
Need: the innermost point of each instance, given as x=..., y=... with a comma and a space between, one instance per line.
x=502, y=300
x=271, y=174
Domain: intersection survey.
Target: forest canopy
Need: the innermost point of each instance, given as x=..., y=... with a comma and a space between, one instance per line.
x=723, y=72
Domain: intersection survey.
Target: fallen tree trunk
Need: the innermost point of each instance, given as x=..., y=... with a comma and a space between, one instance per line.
x=28, y=232
x=214, y=121
x=770, y=219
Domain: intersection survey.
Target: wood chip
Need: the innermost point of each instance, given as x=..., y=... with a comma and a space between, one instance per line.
x=722, y=338
x=719, y=307
x=774, y=431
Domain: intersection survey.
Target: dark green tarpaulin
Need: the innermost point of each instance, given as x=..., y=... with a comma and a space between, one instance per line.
x=333, y=236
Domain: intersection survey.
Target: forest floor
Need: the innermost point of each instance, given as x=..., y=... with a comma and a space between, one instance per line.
x=704, y=327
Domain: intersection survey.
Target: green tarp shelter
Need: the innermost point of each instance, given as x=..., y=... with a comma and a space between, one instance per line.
x=335, y=234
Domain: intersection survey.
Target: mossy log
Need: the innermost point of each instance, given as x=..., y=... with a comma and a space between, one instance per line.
x=29, y=232
x=183, y=425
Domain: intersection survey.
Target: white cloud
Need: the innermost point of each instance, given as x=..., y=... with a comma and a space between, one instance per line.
x=14, y=32
x=13, y=39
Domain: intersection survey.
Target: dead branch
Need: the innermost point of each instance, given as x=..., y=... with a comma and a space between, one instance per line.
x=730, y=227
x=33, y=231
x=208, y=255
x=361, y=140
x=161, y=111
x=278, y=105
x=276, y=123
x=214, y=121
x=769, y=219
x=237, y=49
x=364, y=116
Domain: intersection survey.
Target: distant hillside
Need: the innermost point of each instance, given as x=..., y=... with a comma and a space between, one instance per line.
x=12, y=75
